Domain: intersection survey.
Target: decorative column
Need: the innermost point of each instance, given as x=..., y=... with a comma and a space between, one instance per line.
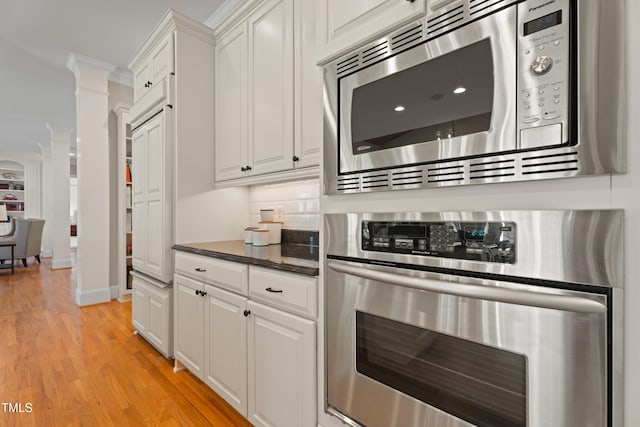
x=92, y=114
x=47, y=202
x=60, y=216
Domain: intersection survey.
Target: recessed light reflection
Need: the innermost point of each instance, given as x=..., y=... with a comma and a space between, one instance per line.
x=459, y=90
x=398, y=108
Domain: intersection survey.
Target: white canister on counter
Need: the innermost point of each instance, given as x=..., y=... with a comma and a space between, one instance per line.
x=275, y=231
x=260, y=237
x=248, y=234
x=266, y=214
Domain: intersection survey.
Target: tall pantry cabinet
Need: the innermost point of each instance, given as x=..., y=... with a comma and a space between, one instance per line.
x=171, y=115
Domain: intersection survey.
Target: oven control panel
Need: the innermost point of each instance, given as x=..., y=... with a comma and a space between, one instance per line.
x=478, y=241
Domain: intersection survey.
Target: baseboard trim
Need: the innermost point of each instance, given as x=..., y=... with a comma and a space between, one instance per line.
x=93, y=297
x=60, y=263
x=47, y=253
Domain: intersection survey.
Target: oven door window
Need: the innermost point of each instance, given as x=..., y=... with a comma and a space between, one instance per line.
x=483, y=385
x=445, y=97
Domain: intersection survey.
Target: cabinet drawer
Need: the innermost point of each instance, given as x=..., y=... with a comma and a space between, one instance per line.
x=229, y=275
x=292, y=292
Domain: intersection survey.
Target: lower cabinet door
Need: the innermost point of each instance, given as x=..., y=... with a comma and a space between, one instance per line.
x=281, y=368
x=152, y=314
x=189, y=323
x=226, y=346
x=140, y=308
x=160, y=328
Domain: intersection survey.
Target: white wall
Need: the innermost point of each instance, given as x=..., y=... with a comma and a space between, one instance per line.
x=214, y=215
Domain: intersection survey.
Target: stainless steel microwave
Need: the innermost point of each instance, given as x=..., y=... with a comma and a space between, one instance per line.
x=479, y=91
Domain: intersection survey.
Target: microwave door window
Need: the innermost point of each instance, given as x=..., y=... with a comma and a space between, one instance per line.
x=443, y=98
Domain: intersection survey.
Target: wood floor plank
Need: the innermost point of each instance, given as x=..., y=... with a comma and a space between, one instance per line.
x=80, y=366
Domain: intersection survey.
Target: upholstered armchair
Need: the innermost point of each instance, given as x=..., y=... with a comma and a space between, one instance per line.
x=28, y=239
x=12, y=229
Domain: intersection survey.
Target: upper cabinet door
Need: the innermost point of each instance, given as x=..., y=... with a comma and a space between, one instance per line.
x=162, y=63
x=308, y=89
x=271, y=59
x=344, y=24
x=231, y=105
x=141, y=78
x=155, y=68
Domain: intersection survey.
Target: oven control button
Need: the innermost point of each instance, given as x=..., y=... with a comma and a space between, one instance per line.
x=531, y=120
x=541, y=65
x=551, y=116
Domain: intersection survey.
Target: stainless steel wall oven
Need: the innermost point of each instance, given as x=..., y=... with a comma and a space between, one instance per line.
x=479, y=92
x=504, y=318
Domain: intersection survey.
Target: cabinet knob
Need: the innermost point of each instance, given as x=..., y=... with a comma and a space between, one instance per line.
x=246, y=313
x=243, y=169
x=200, y=270
x=275, y=291
x=203, y=293
x=296, y=158
x=197, y=292
x=146, y=85
x=149, y=83
x=248, y=168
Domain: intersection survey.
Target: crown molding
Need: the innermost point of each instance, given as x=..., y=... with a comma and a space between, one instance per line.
x=124, y=77
x=221, y=13
x=171, y=21
x=121, y=108
x=77, y=61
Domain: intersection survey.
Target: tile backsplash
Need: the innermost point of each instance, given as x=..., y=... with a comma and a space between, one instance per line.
x=297, y=204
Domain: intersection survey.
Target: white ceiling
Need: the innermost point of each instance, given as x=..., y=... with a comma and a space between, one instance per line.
x=36, y=38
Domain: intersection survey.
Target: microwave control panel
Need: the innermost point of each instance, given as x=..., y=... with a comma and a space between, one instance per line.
x=544, y=46
x=476, y=241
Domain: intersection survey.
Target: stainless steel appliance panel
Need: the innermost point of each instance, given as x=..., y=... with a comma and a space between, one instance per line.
x=591, y=106
x=575, y=246
x=428, y=340
x=565, y=353
x=499, y=30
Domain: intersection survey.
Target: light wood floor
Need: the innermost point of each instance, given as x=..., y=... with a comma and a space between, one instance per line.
x=84, y=367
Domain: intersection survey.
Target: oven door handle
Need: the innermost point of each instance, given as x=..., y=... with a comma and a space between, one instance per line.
x=511, y=296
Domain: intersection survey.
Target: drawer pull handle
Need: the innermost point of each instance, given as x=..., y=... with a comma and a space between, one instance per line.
x=275, y=291
x=246, y=313
x=200, y=270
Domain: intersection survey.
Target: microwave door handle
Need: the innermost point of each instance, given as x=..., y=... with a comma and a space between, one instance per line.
x=511, y=296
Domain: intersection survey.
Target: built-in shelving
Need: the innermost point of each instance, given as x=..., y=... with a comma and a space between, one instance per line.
x=125, y=181
x=12, y=188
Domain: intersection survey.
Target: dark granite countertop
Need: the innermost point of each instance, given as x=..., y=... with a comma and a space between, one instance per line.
x=292, y=257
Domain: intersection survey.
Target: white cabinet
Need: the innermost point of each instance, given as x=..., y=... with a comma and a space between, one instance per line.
x=152, y=197
x=260, y=356
x=270, y=115
x=157, y=65
x=152, y=313
x=226, y=346
x=267, y=91
x=231, y=155
x=281, y=368
x=342, y=25
x=189, y=324
x=171, y=153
